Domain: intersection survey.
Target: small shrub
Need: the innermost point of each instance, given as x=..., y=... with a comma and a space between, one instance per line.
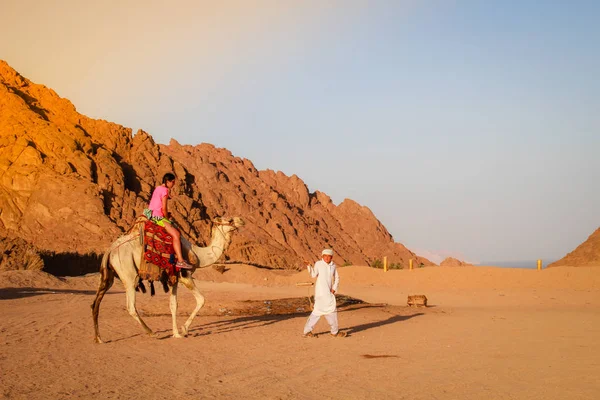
x=347, y=264
x=396, y=266
x=421, y=265
x=377, y=263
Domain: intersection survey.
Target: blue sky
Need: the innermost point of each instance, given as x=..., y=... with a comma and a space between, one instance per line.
x=470, y=128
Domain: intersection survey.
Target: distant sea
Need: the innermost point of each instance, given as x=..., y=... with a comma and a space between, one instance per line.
x=529, y=264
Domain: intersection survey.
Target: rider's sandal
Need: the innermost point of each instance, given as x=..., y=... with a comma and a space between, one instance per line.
x=183, y=265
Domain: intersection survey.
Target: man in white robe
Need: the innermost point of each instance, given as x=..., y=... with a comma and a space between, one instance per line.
x=326, y=286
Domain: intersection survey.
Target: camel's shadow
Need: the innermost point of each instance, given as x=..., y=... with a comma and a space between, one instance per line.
x=18, y=293
x=258, y=321
x=242, y=323
x=254, y=315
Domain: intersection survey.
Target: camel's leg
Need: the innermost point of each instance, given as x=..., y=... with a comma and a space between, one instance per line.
x=107, y=277
x=173, y=306
x=130, y=294
x=189, y=283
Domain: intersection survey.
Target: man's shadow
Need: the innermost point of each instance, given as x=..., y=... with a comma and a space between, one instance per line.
x=376, y=324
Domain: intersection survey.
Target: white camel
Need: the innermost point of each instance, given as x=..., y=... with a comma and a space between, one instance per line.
x=123, y=259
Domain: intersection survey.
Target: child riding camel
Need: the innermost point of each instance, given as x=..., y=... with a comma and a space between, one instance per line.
x=160, y=213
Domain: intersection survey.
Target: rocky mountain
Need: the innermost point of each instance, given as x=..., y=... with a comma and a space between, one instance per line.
x=72, y=184
x=587, y=254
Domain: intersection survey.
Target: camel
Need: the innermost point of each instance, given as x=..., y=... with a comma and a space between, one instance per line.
x=123, y=259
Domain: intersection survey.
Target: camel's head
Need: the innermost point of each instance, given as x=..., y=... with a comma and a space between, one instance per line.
x=230, y=223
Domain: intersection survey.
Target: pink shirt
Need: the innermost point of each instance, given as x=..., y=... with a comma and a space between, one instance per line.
x=156, y=202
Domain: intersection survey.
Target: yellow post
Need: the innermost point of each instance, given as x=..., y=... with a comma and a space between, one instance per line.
x=384, y=263
x=539, y=265
x=410, y=264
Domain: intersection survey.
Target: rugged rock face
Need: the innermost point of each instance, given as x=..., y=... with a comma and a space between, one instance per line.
x=72, y=184
x=453, y=262
x=587, y=254
x=16, y=254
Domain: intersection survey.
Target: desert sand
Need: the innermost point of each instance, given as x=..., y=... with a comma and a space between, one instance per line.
x=488, y=333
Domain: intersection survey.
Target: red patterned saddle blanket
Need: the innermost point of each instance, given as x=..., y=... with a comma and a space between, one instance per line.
x=158, y=248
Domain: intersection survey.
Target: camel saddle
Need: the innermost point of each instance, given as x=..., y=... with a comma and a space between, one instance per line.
x=158, y=254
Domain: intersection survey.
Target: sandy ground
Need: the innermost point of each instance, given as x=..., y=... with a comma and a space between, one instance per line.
x=489, y=333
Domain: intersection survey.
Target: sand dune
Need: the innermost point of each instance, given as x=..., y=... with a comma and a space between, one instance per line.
x=490, y=333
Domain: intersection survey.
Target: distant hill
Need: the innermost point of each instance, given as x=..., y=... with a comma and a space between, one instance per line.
x=72, y=184
x=453, y=262
x=585, y=255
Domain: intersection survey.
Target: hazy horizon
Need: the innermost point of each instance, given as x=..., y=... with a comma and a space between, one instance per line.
x=529, y=264
x=471, y=129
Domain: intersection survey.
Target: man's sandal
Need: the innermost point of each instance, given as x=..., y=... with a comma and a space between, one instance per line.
x=309, y=334
x=339, y=334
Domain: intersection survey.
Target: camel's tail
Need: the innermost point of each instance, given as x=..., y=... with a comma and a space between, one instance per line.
x=107, y=277
x=104, y=265
x=107, y=272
